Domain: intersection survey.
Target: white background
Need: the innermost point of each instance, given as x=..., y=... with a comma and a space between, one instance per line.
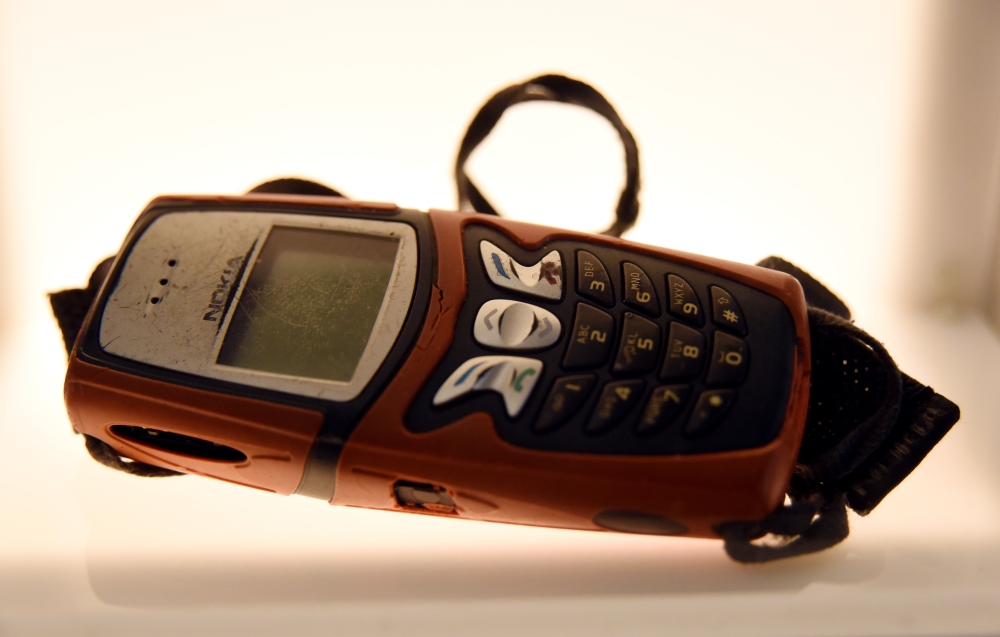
x=857, y=140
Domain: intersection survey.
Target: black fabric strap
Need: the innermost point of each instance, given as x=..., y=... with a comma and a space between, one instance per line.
x=70, y=307
x=295, y=186
x=854, y=400
x=817, y=295
x=868, y=426
x=107, y=456
x=924, y=418
x=556, y=88
x=807, y=526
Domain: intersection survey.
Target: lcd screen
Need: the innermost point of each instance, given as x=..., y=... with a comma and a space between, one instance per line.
x=310, y=303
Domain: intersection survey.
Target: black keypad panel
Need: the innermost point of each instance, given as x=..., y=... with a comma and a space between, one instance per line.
x=726, y=312
x=685, y=353
x=648, y=361
x=592, y=280
x=730, y=361
x=616, y=401
x=639, y=291
x=591, y=338
x=682, y=302
x=640, y=346
x=662, y=408
x=565, y=399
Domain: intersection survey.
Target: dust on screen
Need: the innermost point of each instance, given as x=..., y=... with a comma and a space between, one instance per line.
x=310, y=303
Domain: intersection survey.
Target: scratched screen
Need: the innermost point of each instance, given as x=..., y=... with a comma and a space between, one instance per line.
x=310, y=303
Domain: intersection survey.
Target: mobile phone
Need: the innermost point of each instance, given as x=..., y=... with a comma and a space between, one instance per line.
x=447, y=363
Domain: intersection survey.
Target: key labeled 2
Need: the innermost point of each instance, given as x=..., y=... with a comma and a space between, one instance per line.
x=591, y=339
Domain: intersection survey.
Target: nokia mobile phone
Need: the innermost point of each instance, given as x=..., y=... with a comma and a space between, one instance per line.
x=448, y=363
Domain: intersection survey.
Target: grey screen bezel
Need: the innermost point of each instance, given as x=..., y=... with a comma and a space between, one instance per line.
x=206, y=248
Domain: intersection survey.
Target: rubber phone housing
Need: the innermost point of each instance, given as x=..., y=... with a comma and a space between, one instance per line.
x=537, y=376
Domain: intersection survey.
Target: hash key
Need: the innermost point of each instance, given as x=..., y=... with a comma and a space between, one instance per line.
x=726, y=312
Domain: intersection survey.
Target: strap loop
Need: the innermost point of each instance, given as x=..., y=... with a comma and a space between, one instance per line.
x=869, y=425
x=807, y=526
x=553, y=88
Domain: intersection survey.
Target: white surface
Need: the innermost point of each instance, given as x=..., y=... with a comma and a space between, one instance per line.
x=89, y=551
x=777, y=128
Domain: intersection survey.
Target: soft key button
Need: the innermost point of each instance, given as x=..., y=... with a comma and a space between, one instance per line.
x=510, y=376
x=506, y=324
x=542, y=279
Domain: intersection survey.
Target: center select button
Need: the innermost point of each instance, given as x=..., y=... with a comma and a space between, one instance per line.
x=512, y=325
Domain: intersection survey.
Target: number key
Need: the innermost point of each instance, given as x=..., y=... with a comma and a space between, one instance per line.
x=617, y=399
x=663, y=406
x=682, y=301
x=639, y=347
x=565, y=399
x=685, y=353
x=591, y=340
x=639, y=292
x=730, y=361
x=592, y=280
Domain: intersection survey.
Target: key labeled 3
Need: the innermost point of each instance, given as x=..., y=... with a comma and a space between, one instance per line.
x=513, y=325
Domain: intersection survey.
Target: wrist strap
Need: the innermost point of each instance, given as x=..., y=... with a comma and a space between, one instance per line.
x=554, y=88
x=868, y=426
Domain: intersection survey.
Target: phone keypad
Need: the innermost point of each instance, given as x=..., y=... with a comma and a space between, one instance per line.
x=628, y=363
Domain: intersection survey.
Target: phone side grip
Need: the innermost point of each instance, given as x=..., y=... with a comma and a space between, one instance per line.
x=275, y=438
